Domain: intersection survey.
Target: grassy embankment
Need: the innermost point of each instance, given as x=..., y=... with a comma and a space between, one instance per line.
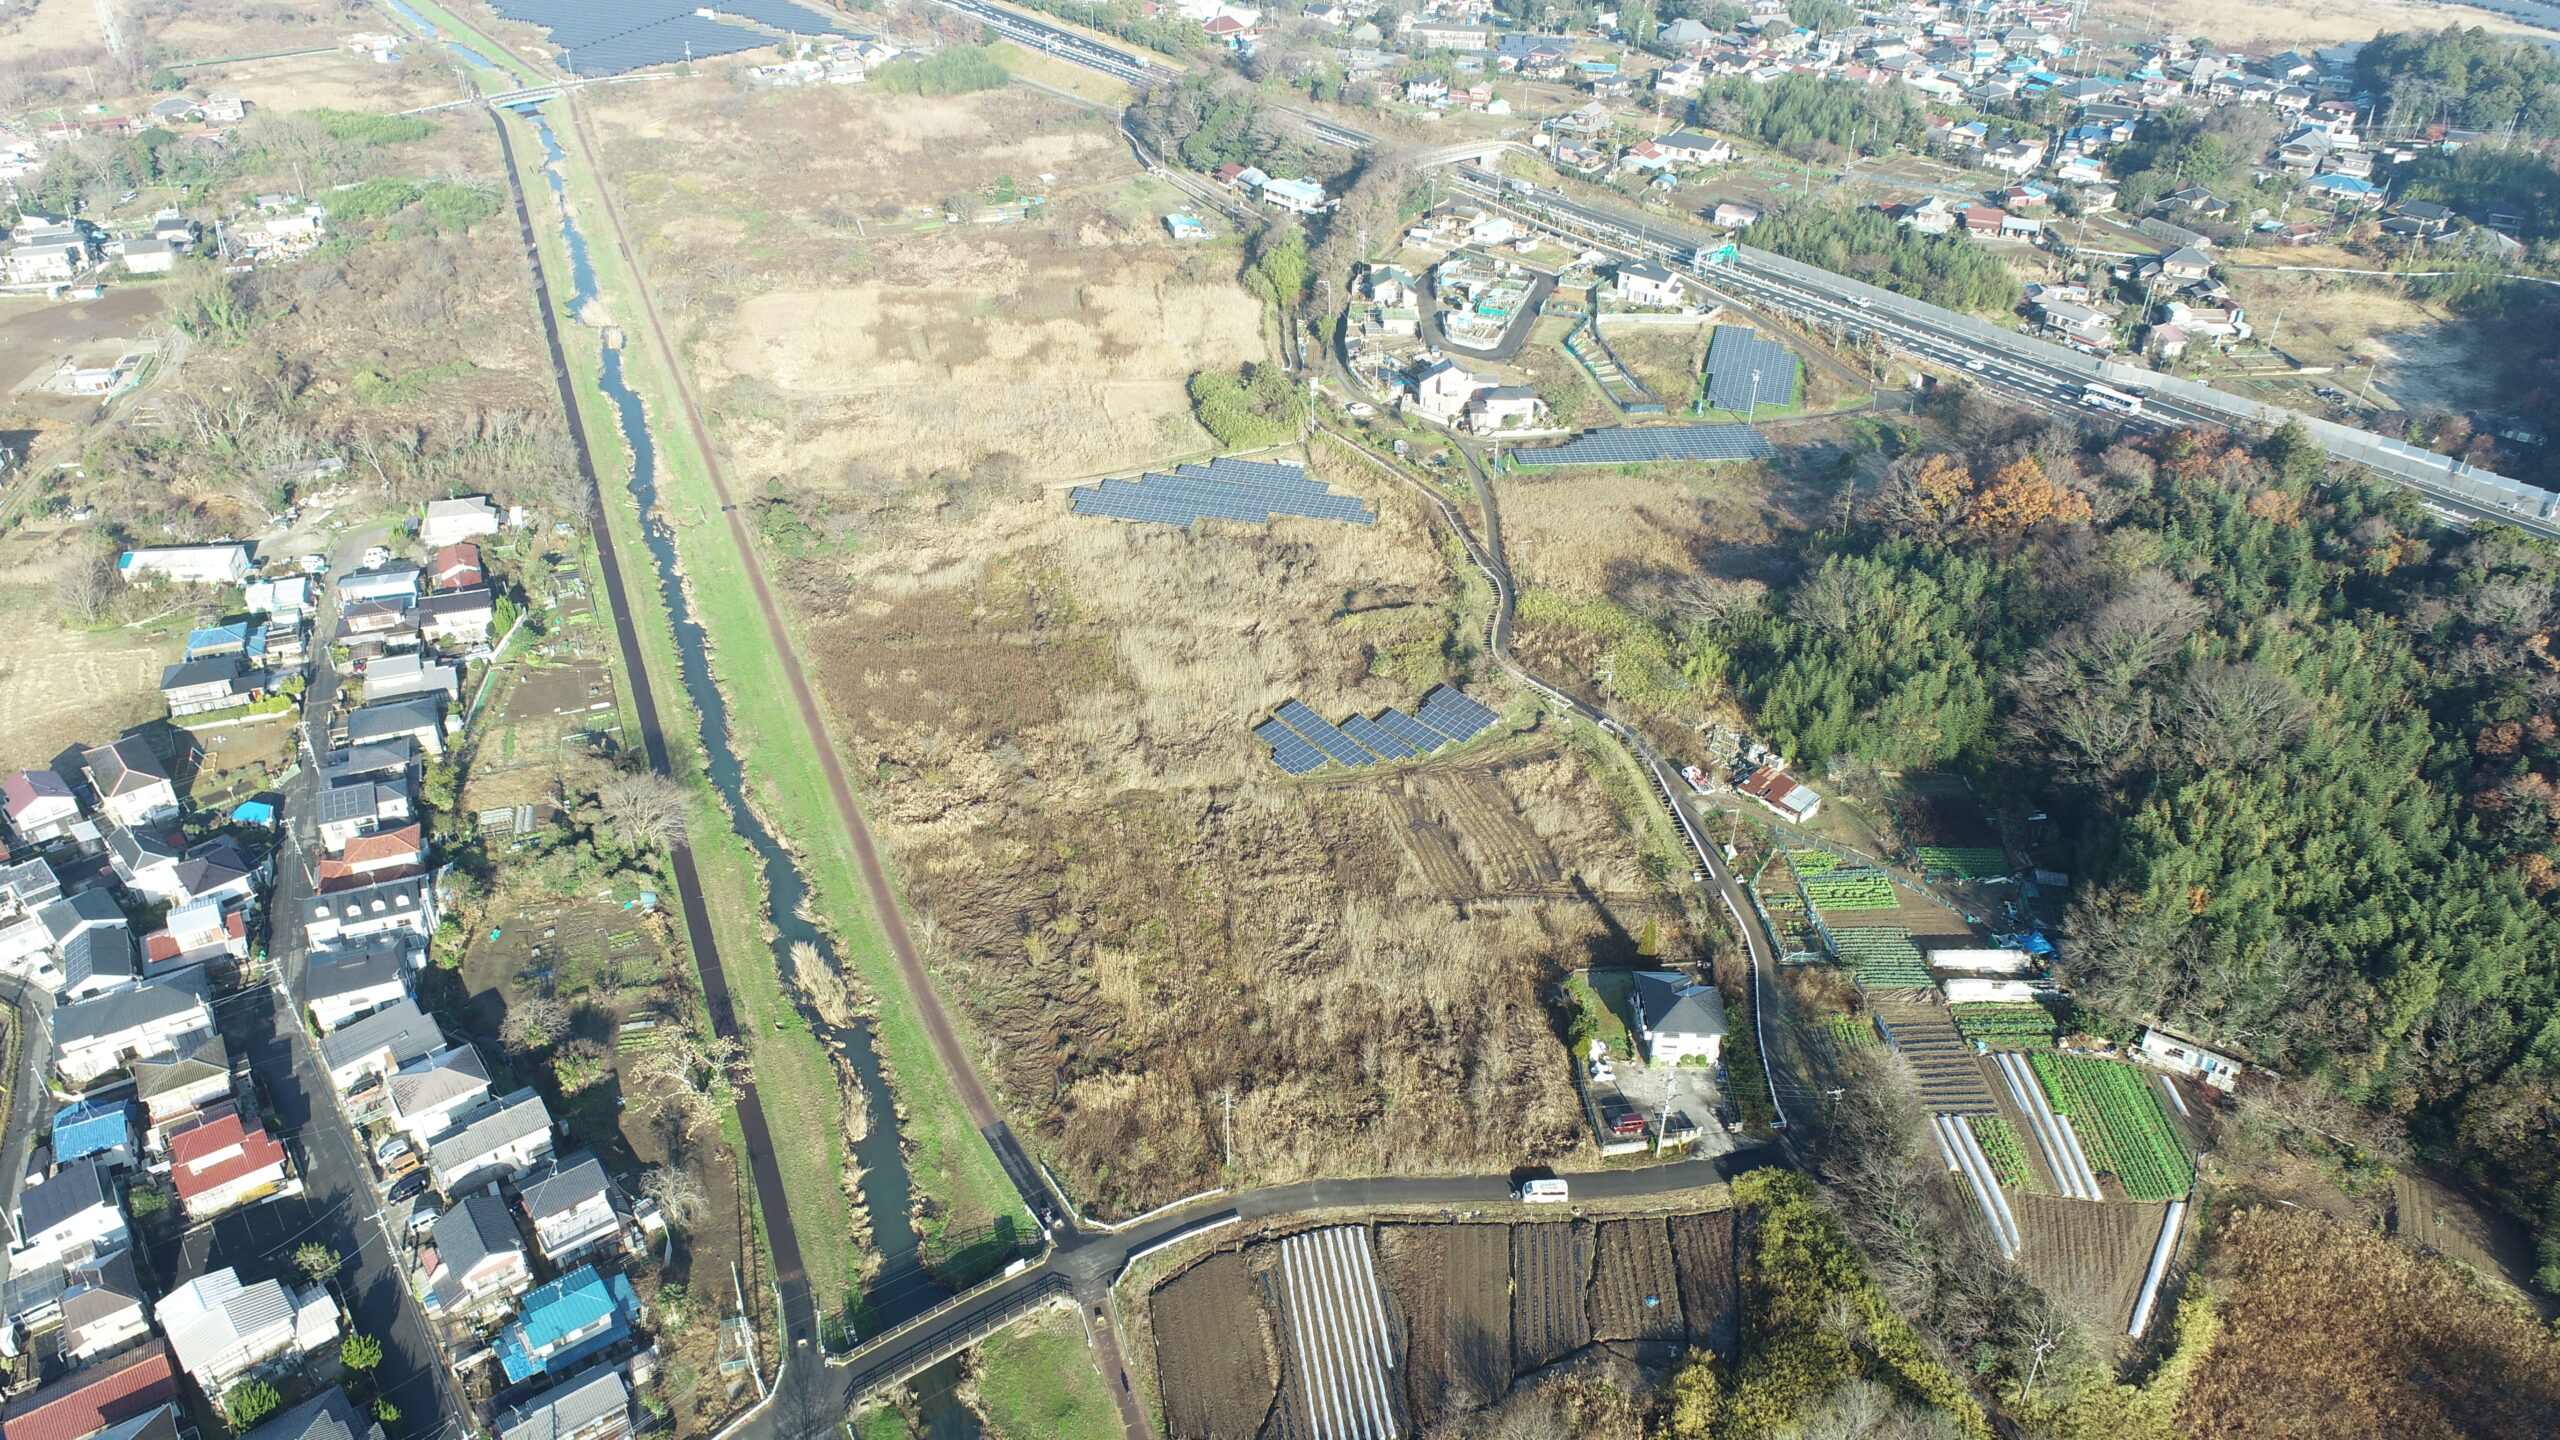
x=1036, y=1381
x=792, y=1071
x=952, y=1165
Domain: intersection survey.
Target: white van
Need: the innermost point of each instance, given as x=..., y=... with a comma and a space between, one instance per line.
x=1543, y=1192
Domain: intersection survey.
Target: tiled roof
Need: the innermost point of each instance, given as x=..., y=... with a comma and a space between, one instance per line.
x=189, y=1147
x=123, y=1388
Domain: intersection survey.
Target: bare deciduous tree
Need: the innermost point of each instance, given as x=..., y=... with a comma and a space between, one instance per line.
x=87, y=588
x=680, y=1197
x=2236, y=716
x=535, y=1023
x=645, y=811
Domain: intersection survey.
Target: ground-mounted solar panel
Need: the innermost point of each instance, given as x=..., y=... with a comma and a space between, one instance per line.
x=1452, y=698
x=1250, y=491
x=1377, y=737
x=1745, y=370
x=1413, y=732
x=1289, y=749
x=1637, y=445
x=1321, y=734
x=1454, y=715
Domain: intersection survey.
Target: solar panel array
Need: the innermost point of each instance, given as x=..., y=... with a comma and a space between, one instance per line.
x=1628, y=445
x=1302, y=741
x=1249, y=490
x=1735, y=354
x=608, y=37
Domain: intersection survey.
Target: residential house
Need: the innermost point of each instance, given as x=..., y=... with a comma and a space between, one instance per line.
x=95, y=961
x=212, y=642
x=499, y=1141
x=2181, y=1056
x=103, y=1310
x=593, y=1405
x=1442, y=390
x=279, y=598
x=2343, y=190
x=220, y=1161
x=2305, y=149
x=2302, y=233
x=137, y=1386
x=72, y=1217
x=2082, y=324
x=368, y=859
x=566, y=1323
x=1299, y=197
x=474, y=1260
x=1680, y=1021
x=41, y=260
x=146, y=860
x=1502, y=407
x=221, y=1329
x=94, y=1038
x=379, y=1043
x=149, y=255
x=456, y=567
x=2098, y=199
x=405, y=904
x=196, y=1073
x=466, y=518
x=224, y=107
x=2186, y=263
x=2220, y=322
x=28, y=890
x=1931, y=216
x=2019, y=157
x=1688, y=147
x=209, y=929
x=463, y=617
x=40, y=805
x=185, y=564
x=1780, y=794
x=1648, y=282
x=391, y=580
x=360, y=808
x=2433, y=219
x=330, y=1415
x=219, y=869
x=94, y=1129
x=575, y=1208
x=419, y=718
x=345, y=987
x=1983, y=220
x=1733, y=214
x=427, y=1094
x=132, y=787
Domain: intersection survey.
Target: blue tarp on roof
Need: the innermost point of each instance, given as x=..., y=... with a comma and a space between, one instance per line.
x=565, y=1323
x=90, y=1129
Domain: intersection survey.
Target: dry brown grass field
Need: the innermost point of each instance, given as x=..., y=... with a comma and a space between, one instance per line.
x=846, y=332
x=2299, y=22
x=1136, y=910
x=2331, y=1333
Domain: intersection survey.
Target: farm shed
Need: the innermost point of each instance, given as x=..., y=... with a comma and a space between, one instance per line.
x=2181, y=1056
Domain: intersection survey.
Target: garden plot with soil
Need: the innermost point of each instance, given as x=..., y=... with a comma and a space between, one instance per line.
x=1468, y=1307
x=849, y=335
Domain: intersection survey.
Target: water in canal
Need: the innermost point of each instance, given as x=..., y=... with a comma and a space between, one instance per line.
x=465, y=53
x=902, y=1287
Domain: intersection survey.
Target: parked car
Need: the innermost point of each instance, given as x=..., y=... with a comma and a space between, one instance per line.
x=412, y=1184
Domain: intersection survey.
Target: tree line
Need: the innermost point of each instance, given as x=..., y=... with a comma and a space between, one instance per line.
x=1864, y=242
x=2467, y=78
x=1810, y=117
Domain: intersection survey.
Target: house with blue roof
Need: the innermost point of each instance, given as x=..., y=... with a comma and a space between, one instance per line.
x=566, y=1323
x=103, y=1128
x=245, y=638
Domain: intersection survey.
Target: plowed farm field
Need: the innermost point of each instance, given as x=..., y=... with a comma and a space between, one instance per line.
x=1710, y=1297
x=1550, y=1268
x=1213, y=1358
x=2089, y=1257
x=1634, y=1293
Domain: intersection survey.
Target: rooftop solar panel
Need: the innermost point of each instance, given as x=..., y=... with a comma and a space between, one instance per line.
x=1377, y=737
x=1321, y=734
x=1631, y=445
x=1413, y=732
x=1289, y=750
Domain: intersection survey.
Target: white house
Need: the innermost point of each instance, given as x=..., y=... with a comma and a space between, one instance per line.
x=1647, y=282
x=499, y=1141
x=2181, y=1056
x=372, y=910
x=593, y=1405
x=467, y=518
x=359, y=807
x=132, y=786
x=575, y=1208
x=1679, y=1020
x=72, y=1216
x=345, y=987
x=427, y=1094
x=149, y=255
x=474, y=1260
x=380, y=582
x=97, y=1037
x=222, y=1329
x=186, y=564
x=104, y=1310
x=378, y=1044
x=40, y=804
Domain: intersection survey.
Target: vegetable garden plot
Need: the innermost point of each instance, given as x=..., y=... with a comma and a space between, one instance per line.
x=1634, y=1293
x=1882, y=957
x=2005, y=1024
x=1479, y=1328
x=1213, y=1361
x=1710, y=1299
x=2000, y=1145
x=1965, y=862
x=1851, y=889
x=2118, y=1118
x=1413, y=1261
x=1550, y=1269
x=1341, y=1361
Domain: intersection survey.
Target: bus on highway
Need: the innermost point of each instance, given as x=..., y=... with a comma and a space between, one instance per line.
x=2108, y=398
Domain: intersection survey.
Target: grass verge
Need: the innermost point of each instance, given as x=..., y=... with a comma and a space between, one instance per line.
x=1036, y=1381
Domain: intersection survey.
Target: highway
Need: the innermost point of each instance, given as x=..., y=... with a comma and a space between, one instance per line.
x=1066, y=44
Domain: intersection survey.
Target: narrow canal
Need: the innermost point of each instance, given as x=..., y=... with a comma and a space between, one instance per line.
x=902, y=1287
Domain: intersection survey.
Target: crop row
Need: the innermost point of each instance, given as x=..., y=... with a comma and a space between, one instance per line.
x=1881, y=955
x=1999, y=1142
x=1810, y=863
x=1849, y=1034
x=2120, y=1123
x=1851, y=890
x=1968, y=861
x=2021, y=1023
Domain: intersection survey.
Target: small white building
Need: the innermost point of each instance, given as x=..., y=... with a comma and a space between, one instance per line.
x=499, y=1141
x=1648, y=282
x=1680, y=1021
x=373, y=1047
x=222, y=1329
x=2181, y=1056
x=186, y=564
x=149, y=255
x=346, y=987
x=466, y=518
